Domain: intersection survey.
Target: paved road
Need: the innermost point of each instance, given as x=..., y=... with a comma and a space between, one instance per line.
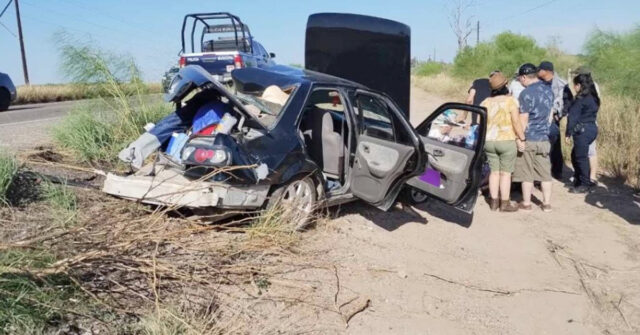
x=26, y=126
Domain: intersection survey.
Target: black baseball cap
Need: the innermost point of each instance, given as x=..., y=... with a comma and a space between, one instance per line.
x=526, y=69
x=546, y=65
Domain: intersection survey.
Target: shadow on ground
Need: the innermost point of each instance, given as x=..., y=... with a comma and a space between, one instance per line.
x=616, y=197
x=401, y=214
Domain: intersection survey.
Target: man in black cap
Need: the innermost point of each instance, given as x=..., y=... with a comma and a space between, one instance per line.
x=533, y=162
x=562, y=98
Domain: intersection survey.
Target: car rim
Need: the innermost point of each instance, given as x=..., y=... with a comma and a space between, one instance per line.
x=418, y=196
x=299, y=195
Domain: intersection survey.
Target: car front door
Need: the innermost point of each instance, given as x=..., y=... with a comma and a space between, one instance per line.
x=454, y=145
x=388, y=150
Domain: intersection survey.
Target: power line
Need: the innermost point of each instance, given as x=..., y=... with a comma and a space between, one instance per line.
x=5, y=8
x=9, y=30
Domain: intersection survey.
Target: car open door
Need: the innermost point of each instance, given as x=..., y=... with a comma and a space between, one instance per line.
x=388, y=150
x=453, y=138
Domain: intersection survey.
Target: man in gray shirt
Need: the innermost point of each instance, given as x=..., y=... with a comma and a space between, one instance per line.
x=561, y=100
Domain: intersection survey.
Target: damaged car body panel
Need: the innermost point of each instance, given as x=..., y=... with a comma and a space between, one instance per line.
x=344, y=44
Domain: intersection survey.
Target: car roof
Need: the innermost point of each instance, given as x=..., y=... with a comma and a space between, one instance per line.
x=257, y=79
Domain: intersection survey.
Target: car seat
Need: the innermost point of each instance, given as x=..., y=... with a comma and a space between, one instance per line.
x=326, y=146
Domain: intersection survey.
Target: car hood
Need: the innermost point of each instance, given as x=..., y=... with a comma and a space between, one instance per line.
x=372, y=51
x=194, y=76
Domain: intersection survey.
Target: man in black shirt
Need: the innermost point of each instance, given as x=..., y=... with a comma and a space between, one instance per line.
x=480, y=89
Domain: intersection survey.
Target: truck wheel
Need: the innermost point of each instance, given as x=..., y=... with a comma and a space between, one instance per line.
x=5, y=99
x=414, y=196
x=293, y=203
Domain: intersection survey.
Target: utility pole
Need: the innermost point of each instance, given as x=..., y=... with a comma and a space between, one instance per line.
x=24, y=57
x=434, y=55
x=478, y=33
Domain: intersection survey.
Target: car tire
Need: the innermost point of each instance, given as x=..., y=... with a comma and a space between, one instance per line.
x=414, y=196
x=5, y=99
x=295, y=202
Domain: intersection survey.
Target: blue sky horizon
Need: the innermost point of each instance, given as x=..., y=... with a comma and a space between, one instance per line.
x=150, y=30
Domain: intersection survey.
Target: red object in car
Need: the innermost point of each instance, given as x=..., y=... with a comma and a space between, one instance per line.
x=239, y=63
x=201, y=155
x=182, y=62
x=208, y=130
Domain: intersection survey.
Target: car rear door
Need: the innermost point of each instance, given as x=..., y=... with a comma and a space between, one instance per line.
x=388, y=150
x=455, y=154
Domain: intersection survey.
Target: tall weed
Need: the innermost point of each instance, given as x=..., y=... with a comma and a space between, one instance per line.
x=8, y=169
x=96, y=131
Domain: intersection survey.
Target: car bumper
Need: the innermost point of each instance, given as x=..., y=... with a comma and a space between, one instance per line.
x=14, y=96
x=168, y=187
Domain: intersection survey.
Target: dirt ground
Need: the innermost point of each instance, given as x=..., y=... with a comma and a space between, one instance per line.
x=431, y=270
x=573, y=271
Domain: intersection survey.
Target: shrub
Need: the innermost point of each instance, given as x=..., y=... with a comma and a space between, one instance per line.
x=94, y=132
x=615, y=60
x=506, y=52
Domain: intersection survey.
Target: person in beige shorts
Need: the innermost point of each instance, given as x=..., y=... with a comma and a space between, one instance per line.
x=533, y=162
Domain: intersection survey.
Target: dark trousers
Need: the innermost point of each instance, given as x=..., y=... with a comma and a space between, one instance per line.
x=557, y=162
x=580, y=154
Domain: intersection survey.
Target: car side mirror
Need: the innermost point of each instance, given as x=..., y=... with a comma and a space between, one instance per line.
x=272, y=55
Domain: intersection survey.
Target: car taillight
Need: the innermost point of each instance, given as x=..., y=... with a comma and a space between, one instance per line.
x=238, y=62
x=210, y=156
x=182, y=62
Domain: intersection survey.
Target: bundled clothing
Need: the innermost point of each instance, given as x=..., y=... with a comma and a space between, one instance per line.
x=582, y=127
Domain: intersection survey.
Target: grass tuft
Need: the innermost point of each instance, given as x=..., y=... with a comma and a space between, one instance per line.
x=63, y=203
x=8, y=169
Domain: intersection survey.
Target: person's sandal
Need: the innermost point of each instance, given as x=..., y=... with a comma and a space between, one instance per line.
x=524, y=207
x=507, y=207
x=546, y=208
x=494, y=204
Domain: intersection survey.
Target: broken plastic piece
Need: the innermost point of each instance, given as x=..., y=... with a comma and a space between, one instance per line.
x=149, y=126
x=262, y=171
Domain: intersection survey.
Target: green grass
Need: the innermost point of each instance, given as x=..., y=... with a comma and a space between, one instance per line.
x=29, y=304
x=94, y=135
x=8, y=169
x=94, y=132
x=63, y=203
x=429, y=68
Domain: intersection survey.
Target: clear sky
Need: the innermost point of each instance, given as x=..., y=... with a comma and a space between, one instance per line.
x=149, y=30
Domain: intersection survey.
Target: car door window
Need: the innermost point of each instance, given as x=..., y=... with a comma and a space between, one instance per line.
x=374, y=118
x=454, y=146
x=453, y=127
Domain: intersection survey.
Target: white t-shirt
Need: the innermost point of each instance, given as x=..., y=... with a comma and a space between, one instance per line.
x=515, y=88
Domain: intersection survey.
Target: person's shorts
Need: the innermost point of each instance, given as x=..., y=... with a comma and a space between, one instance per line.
x=592, y=149
x=501, y=155
x=534, y=163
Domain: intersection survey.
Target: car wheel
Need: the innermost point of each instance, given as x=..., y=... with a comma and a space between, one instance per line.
x=414, y=196
x=5, y=99
x=294, y=203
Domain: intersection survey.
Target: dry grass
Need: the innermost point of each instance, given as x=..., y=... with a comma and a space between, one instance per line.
x=64, y=92
x=132, y=269
x=619, y=138
x=443, y=85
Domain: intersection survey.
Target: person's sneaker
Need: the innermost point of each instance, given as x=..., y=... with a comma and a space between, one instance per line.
x=523, y=207
x=546, y=208
x=579, y=190
x=507, y=207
